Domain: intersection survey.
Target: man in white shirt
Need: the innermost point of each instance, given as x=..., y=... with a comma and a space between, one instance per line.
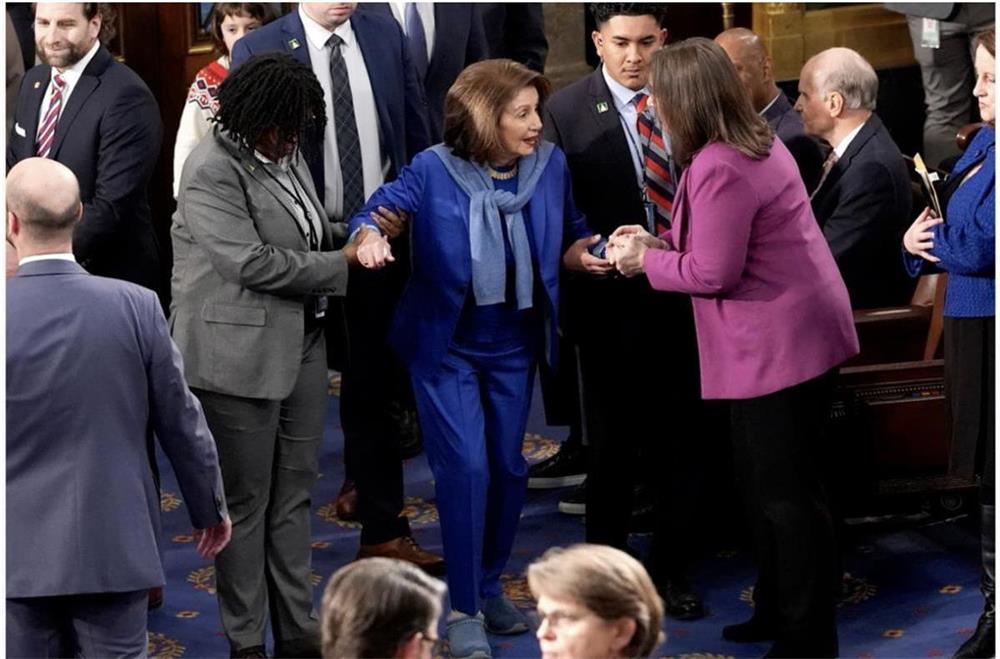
x=863, y=199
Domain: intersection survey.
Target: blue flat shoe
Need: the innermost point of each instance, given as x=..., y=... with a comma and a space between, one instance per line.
x=502, y=617
x=467, y=638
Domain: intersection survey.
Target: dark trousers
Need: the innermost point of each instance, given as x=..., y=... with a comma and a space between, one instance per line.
x=779, y=441
x=373, y=382
x=473, y=411
x=269, y=454
x=641, y=420
x=92, y=625
x=970, y=360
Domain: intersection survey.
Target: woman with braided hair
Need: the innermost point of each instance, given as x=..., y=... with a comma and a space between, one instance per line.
x=254, y=262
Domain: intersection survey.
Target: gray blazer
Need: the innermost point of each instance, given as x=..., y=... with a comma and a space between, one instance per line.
x=243, y=270
x=91, y=374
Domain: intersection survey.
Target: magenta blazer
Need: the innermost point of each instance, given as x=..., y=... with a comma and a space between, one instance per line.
x=770, y=307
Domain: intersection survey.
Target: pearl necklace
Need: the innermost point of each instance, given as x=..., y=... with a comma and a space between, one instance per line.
x=501, y=176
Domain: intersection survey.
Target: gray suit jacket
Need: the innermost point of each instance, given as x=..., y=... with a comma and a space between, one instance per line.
x=91, y=373
x=243, y=271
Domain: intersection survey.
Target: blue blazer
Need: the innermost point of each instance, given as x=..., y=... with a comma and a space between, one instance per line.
x=399, y=96
x=109, y=135
x=432, y=303
x=459, y=40
x=91, y=375
x=965, y=243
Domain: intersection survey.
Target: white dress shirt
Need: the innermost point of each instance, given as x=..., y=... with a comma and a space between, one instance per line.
x=374, y=165
x=426, y=12
x=58, y=256
x=71, y=76
x=629, y=116
x=841, y=148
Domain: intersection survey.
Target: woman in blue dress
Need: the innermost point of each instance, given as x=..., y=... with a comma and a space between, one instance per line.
x=492, y=218
x=963, y=245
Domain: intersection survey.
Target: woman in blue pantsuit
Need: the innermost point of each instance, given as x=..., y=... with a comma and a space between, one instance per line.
x=492, y=216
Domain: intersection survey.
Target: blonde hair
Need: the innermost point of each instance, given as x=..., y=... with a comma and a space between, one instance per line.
x=475, y=102
x=373, y=605
x=608, y=582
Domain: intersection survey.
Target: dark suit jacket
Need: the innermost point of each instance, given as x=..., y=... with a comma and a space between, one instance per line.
x=606, y=191
x=109, y=135
x=863, y=208
x=91, y=374
x=399, y=96
x=458, y=42
x=516, y=30
x=787, y=125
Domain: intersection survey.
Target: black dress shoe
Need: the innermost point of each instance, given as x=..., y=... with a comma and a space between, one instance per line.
x=983, y=641
x=680, y=601
x=566, y=468
x=805, y=648
x=252, y=652
x=752, y=631
x=575, y=503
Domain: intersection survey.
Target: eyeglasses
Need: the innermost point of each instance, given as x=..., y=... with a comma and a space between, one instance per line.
x=557, y=619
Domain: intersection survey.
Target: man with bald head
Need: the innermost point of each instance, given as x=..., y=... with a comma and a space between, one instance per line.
x=91, y=375
x=863, y=199
x=756, y=71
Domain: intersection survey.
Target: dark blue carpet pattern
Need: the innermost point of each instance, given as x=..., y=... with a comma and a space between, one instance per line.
x=910, y=592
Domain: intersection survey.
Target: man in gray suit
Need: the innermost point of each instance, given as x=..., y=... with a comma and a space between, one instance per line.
x=91, y=374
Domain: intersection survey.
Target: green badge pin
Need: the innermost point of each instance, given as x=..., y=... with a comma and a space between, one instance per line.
x=293, y=43
x=602, y=107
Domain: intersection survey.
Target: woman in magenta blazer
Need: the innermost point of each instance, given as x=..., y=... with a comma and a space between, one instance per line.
x=773, y=320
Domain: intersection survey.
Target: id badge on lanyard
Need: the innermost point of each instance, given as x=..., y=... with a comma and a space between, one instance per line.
x=319, y=309
x=930, y=33
x=650, y=209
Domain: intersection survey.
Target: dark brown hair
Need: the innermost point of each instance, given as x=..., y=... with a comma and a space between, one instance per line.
x=259, y=10
x=475, y=102
x=988, y=40
x=109, y=18
x=700, y=100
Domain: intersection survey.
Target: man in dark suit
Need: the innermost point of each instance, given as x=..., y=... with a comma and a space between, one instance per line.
x=376, y=122
x=863, y=199
x=92, y=374
x=97, y=117
x=516, y=30
x=755, y=68
x=444, y=38
x=595, y=121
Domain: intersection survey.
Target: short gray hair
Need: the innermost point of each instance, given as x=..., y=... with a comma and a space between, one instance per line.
x=846, y=72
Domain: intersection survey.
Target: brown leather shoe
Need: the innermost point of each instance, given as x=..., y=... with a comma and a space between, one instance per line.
x=155, y=598
x=347, y=502
x=406, y=549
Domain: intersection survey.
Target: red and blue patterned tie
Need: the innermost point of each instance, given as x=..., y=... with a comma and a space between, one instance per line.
x=660, y=185
x=47, y=129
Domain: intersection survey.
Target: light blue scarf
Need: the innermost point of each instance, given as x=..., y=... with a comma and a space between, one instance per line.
x=489, y=263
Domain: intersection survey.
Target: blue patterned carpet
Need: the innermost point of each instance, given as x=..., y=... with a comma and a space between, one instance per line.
x=912, y=590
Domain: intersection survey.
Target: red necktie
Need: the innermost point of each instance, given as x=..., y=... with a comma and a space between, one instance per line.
x=47, y=129
x=660, y=184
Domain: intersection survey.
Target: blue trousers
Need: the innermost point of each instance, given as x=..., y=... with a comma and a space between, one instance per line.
x=472, y=412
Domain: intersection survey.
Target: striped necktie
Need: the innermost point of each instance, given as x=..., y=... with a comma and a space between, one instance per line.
x=47, y=129
x=828, y=164
x=660, y=184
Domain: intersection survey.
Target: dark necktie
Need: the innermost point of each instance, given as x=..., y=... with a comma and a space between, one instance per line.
x=417, y=39
x=660, y=184
x=828, y=164
x=47, y=129
x=348, y=145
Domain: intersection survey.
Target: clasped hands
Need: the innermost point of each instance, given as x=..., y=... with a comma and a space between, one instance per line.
x=370, y=248
x=919, y=238
x=627, y=248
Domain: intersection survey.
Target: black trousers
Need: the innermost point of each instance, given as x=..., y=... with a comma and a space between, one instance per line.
x=779, y=442
x=969, y=367
x=373, y=382
x=642, y=420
